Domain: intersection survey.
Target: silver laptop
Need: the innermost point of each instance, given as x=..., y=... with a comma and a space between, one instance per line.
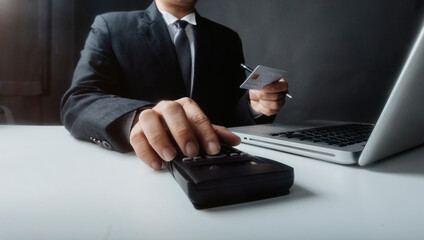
x=400, y=125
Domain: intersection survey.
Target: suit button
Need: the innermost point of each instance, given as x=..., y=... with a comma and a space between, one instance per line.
x=106, y=145
x=96, y=141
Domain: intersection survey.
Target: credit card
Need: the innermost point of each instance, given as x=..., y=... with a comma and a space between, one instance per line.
x=262, y=76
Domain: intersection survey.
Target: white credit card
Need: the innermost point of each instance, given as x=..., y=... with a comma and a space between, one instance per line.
x=262, y=76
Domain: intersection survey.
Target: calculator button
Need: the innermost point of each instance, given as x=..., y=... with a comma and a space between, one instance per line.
x=197, y=158
x=212, y=167
x=214, y=157
x=234, y=154
x=187, y=159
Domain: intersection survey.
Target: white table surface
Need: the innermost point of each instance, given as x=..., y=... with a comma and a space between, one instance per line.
x=53, y=186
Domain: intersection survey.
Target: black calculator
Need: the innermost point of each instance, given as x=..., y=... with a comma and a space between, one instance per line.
x=230, y=177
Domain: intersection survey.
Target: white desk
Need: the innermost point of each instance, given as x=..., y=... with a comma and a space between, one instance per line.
x=53, y=186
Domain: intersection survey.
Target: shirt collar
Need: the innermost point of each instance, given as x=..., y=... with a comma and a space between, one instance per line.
x=170, y=19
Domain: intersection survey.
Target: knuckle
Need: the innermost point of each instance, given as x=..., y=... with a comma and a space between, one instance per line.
x=187, y=100
x=146, y=114
x=199, y=120
x=255, y=105
x=254, y=94
x=162, y=104
x=181, y=132
x=155, y=138
x=276, y=96
x=260, y=94
x=267, y=96
x=267, y=88
x=274, y=105
x=159, y=105
x=171, y=106
x=265, y=110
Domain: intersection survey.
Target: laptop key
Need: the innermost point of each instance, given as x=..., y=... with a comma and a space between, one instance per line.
x=337, y=135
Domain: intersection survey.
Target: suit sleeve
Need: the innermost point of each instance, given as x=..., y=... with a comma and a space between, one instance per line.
x=93, y=109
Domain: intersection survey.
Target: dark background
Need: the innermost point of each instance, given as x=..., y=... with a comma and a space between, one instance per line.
x=342, y=56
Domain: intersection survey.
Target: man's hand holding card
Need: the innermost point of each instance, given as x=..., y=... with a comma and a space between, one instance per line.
x=267, y=90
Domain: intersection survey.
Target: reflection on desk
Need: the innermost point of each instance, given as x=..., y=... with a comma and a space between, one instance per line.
x=53, y=186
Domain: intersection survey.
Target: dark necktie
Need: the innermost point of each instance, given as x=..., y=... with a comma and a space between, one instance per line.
x=182, y=46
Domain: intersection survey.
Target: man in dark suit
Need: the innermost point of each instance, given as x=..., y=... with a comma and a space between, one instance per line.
x=148, y=78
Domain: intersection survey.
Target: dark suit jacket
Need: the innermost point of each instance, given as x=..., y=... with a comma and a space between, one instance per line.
x=129, y=62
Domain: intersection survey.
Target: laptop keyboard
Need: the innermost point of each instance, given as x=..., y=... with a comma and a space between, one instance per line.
x=342, y=135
